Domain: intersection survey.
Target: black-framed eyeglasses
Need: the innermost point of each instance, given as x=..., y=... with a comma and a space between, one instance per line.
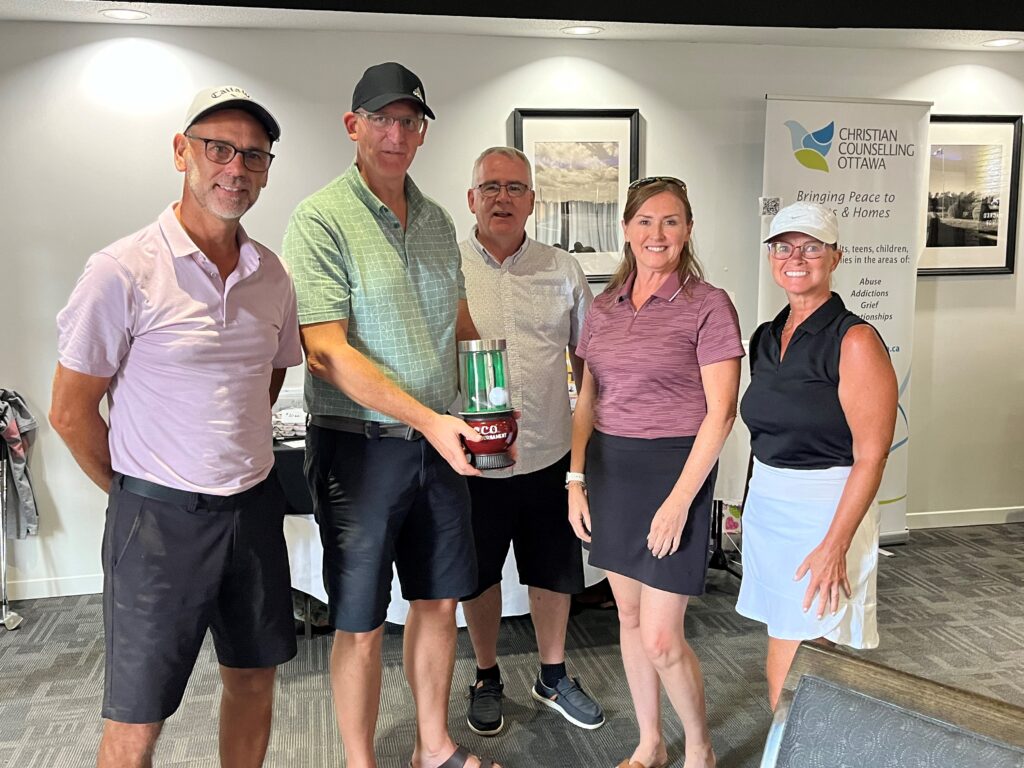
x=223, y=152
x=493, y=188
x=653, y=179
x=383, y=123
x=782, y=250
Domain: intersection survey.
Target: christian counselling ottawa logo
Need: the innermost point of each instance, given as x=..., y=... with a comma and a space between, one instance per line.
x=811, y=147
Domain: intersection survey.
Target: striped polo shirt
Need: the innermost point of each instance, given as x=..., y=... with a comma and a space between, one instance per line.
x=398, y=289
x=646, y=362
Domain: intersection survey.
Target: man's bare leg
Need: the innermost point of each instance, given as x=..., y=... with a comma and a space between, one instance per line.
x=483, y=619
x=429, y=659
x=355, y=682
x=128, y=745
x=246, y=712
x=550, y=613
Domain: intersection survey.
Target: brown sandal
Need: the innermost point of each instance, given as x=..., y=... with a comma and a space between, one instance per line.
x=637, y=764
x=459, y=757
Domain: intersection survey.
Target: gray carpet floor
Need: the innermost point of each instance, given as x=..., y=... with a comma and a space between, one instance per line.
x=950, y=610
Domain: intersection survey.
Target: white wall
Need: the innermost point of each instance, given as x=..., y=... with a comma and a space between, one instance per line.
x=89, y=111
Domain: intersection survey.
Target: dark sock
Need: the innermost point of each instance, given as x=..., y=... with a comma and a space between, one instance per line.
x=491, y=673
x=550, y=674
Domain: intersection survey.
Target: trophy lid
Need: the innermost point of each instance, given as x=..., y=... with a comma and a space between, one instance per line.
x=482, y=345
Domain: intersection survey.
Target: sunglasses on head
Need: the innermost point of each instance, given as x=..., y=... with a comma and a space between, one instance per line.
x=653, y=179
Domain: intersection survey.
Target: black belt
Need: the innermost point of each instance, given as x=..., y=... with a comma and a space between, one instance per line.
x=189, y=499
x=373, y=430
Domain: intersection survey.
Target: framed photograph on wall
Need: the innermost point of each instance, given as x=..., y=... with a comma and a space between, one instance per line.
x=973, y=187
x=583, y=161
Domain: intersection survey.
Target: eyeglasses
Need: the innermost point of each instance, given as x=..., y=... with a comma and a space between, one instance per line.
x=493, y=188
x=222, y=153
x=383, y=123
x=654, y=179
x=781, y=250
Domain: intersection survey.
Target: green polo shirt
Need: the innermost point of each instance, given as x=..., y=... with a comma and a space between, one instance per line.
x=399, y=290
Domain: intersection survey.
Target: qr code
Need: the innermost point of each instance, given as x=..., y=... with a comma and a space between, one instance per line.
x=770, y=205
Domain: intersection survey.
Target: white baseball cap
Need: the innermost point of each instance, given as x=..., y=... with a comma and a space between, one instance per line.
x=808, y=219
x=211, y=100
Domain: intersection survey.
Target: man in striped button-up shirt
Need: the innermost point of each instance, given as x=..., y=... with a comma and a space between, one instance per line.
x=535, y=297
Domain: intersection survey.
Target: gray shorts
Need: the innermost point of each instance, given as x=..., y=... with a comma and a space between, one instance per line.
x=172, y=571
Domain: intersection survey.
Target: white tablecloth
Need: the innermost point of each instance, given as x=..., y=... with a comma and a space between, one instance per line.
x=306, y=556
x=732, y=463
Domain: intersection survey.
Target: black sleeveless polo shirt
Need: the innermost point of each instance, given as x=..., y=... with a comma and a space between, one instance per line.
x=792, y=408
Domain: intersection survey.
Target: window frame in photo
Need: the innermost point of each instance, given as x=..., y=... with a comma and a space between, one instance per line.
x=955, y=260
x=525, y=125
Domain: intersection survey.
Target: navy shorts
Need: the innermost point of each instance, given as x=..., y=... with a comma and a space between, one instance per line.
x=384, y=502
x=530, y=512
x=628, y=479
x=172, y=571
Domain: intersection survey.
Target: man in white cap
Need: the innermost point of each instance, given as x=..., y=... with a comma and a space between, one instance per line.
x=186, y=327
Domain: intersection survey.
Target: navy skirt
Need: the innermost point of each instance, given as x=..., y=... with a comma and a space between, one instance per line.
x=628, y=478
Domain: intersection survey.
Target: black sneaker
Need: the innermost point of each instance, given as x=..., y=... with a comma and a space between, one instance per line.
x=569, y=700
x=484, y=712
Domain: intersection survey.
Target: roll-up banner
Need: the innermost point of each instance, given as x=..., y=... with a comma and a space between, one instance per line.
x=868, y=161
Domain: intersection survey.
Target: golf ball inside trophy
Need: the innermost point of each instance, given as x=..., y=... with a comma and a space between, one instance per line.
x=483, y=378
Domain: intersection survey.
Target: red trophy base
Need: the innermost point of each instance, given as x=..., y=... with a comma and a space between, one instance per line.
x=499, y=431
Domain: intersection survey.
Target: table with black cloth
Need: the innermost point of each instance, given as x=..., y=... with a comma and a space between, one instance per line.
x=288, y=464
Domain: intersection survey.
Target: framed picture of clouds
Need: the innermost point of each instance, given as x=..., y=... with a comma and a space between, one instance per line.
x=583, y=161
x=973, y=186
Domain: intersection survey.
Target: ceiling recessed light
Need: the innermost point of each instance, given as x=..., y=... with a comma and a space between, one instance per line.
x=124, y=14
x=1003, y=42
x=581, y=30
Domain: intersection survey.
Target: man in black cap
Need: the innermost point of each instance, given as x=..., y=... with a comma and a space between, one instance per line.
x=186, y=328
x=382, y=302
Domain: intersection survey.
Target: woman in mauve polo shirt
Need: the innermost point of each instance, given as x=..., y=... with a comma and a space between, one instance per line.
x=662, y=351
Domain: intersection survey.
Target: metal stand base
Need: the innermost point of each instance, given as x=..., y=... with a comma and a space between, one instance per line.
x=720, y=559
x=11, y=620
x=307, y=608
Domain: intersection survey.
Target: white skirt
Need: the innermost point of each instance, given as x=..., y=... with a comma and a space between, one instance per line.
x=788, y=513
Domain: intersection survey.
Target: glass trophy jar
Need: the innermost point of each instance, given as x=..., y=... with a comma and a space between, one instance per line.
x=483, y=379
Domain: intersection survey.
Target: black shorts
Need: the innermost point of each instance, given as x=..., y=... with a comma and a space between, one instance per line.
x=531, y=512
x=172, y=571
x=381, y=503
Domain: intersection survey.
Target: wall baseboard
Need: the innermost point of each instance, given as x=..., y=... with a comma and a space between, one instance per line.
x=950, y=518
x=88, y=584
x=62, y=586
x=889, y=538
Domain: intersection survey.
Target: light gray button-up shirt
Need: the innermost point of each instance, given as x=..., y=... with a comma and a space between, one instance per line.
x=536, y=300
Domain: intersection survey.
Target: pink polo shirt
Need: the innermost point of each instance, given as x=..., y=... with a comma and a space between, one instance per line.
x=190, y=355
x=646, y=363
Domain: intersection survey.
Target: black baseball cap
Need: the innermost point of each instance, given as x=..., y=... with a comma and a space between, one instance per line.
x=385, y=83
